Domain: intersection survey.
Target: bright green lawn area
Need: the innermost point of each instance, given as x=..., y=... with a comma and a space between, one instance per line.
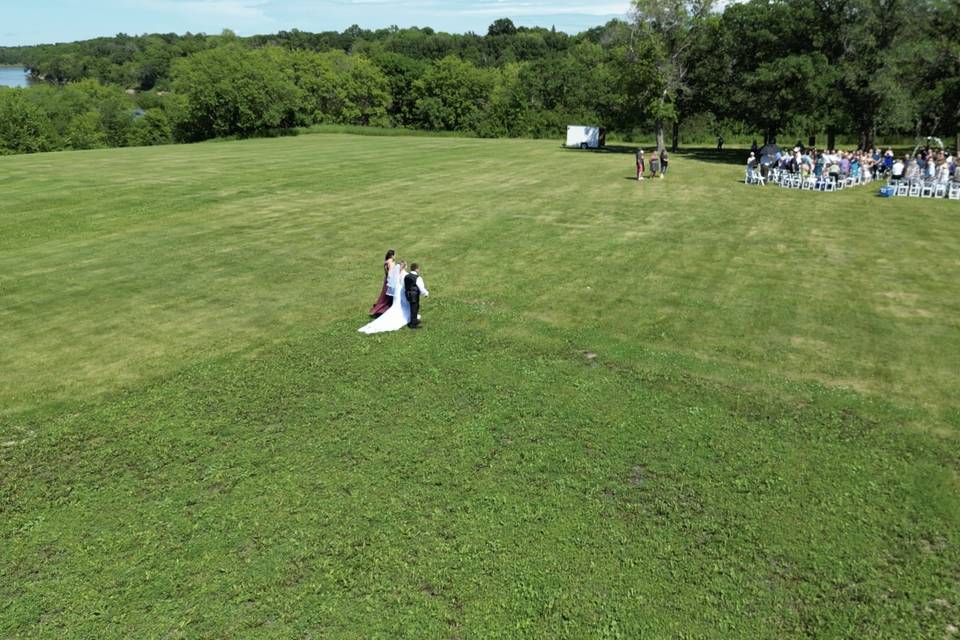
x=679, y=408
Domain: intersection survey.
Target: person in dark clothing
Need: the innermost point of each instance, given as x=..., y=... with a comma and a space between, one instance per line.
x=413, y=288
x=664, y=161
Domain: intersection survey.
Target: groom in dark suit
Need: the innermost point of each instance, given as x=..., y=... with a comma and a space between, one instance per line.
x=413, y=288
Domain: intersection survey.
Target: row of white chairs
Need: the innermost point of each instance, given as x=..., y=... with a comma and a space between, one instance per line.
x=791, y=180
x=926, y=189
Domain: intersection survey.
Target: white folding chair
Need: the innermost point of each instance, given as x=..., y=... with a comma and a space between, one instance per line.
x=953, y=193
x=915, y=189
x=926, y=189
x=940, y=190
x=840, y=183
x=903, y=188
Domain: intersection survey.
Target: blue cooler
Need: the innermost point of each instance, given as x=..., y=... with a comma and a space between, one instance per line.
x=887, y=191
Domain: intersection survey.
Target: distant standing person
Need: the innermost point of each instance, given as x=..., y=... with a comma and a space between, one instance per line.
x=719, y=143
x=413, y=288
x=640, y=164
x=654, y=164
x=664, y=161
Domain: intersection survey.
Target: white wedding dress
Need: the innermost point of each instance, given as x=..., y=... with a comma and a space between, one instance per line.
x=398, y=315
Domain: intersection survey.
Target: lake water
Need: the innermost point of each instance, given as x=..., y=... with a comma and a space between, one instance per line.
x=13, y=77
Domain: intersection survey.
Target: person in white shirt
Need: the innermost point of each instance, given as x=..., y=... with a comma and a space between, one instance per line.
x=897, y=171
x=413, y=288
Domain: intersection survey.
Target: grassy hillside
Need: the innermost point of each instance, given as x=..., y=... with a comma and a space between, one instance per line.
x=683, y=407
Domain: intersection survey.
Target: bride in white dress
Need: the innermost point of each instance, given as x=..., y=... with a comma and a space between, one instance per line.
x=398, y=315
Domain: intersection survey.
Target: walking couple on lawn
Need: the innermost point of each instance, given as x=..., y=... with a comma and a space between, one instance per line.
x=399, y=301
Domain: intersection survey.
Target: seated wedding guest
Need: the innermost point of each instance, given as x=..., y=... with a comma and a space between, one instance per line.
x=834, y=170
x=912, y=171
x=845, y=165
x=943, y=172
x=897, y=169
x=855, y=167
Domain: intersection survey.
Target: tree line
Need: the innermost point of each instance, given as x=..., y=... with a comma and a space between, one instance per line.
x=763, y=68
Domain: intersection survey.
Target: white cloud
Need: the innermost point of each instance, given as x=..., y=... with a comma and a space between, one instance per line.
x=226, y=11
x=546, y=9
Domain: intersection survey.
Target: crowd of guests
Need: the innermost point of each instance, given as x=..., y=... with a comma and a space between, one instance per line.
x=927, y=164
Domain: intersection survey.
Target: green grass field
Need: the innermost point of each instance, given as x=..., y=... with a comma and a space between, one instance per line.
x=684, y=408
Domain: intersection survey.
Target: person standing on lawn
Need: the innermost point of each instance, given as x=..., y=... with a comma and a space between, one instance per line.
x=413, y=288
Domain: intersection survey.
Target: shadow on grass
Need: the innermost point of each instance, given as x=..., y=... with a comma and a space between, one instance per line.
x=703, y=154
x=614, y=148
x=708, y=154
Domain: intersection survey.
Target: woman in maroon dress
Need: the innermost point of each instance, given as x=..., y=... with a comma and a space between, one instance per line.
x=386, y=298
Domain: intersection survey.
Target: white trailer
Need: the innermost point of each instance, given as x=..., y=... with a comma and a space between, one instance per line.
x=585, y=137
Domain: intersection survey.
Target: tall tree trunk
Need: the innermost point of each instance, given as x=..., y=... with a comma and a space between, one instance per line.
x=660, y=143
x=956, y=147
x=831, y=137
x=866, y=133
x=676, y=135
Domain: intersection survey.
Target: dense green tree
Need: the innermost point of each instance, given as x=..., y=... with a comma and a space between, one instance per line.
x=24, y=127
x=669, y=25
x=452, y=95
x=336, y=87
x=152, y=128
x=234, y=91
x=936, y=82
x=85, y=132
x=502, y=27
x=765, y=70
x=401, y=72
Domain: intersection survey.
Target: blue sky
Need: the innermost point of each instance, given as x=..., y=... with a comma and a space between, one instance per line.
x=36, y=21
